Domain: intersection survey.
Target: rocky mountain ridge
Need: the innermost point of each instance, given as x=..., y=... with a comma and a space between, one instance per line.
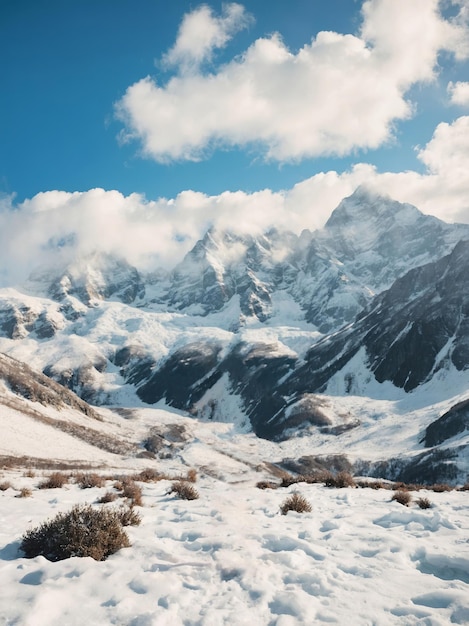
x=367, y=243
x=255, y=329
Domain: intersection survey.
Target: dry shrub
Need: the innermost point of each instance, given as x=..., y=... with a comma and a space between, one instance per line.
x=132, y=491
x=184, y=490
x=328, y=479
x=441, y=487
x=5, y=484
x=149, y=475
x=295, y=502
x=321, y=476
x=25, y=492
x=424, y=503
x=340, y=480
x=344, y=479
x=371, y=484
x=109, y=496
x=128, y=516
x=465, y=487
x=191, y=475
x=88, y=480
x=400, y=486
x=266, y=484
x=288, y=480
x=30, y=473
x=403, y=497
x=83, y=531
x=55, y=481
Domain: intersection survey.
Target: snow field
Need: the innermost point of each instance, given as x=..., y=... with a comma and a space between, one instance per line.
x=231, y=558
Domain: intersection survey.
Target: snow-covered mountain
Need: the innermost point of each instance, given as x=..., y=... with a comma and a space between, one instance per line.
x=256, y=329
x=367, y=243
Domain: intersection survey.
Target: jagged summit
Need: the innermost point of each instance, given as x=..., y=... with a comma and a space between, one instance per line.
x=367, y=204
x=92, y=277
x=378, y=239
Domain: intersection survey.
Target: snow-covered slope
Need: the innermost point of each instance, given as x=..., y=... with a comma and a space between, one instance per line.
x=230, y=557
x=236, y=332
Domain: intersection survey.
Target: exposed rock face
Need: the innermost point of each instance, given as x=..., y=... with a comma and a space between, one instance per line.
x=80, y=379
x=254, y=370
x=367, y=243
x=18, y=320
x=181, y=378
x=409, y=331
x=452, y=423
x=378, y=239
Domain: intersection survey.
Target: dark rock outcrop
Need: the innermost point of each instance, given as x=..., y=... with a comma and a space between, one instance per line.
x=452, y=423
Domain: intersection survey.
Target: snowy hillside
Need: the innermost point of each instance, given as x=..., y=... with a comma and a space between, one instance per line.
x=230, y=557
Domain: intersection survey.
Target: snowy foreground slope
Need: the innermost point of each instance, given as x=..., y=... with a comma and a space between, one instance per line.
x=230, y=557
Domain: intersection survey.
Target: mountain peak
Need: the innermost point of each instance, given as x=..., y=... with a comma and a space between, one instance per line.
x=366, y=204
x=90, y=277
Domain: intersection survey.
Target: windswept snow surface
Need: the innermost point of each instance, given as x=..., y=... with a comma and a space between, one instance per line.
x=230, y=557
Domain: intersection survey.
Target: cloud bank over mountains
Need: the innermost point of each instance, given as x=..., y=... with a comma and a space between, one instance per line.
x=152, y=233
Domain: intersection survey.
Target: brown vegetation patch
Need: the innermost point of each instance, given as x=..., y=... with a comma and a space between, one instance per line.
x=109, y=496
x=184, y=490
x=91, y=436
x=440, y=487
x=128, y=516
x=88, y=480
x=131, y=491
x=403, y=497
x=11, y=462
x=56, y=480
x=296, y=502
x=424, y=503
x=83, y=531
x=267, y=484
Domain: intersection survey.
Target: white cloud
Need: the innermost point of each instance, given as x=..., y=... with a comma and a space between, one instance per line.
x=337, y=94
x=447, y=154
x=157, y=233
x=459, y=93
x=201, y=32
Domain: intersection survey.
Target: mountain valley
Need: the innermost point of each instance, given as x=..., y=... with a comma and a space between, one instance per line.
x=293, y=337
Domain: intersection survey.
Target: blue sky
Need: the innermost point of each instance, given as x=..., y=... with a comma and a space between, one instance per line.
x=288, y=105
x=65, y=64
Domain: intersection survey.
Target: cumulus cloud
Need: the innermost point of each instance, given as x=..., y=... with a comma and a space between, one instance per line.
x=459, y=93
x=337, y=94
x=201, y=32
